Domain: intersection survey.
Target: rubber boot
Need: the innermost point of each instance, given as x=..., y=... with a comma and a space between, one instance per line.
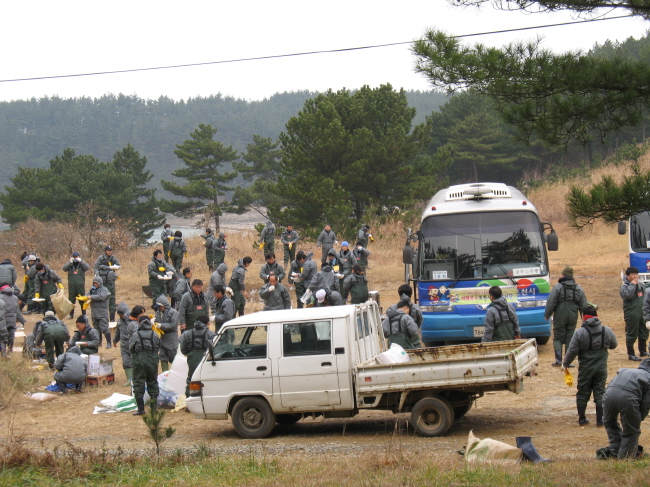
x=112, y=316
x=582, y=419
x=128, y=371
x=71, y=315
x=529, y=450
x=108, y=340
x=140, y=402
x=643, y=350
x=558, y=359
x=164, y=366
x=599, y=415
x=630, y=353
x=83, y=312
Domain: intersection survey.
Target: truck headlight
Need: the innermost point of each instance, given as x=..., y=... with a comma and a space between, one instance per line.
x=431, y=309
x=532, y=304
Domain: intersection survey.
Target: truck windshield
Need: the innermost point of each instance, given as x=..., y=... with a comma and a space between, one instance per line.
x=482, y=246
x=640, y=232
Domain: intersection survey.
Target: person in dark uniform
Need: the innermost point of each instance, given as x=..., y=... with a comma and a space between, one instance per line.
x=633, y=292
x=193, y=304
x=144, y=345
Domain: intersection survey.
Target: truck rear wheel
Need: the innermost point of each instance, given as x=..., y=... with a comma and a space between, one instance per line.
x=288, y=419
x=542, y=340
x=432, y=416
x=252, y=417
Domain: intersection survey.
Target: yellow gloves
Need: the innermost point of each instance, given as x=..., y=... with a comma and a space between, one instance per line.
x=85, y=306
x=186, y=256
x=204, y=244
x=568, y=378
x=170, y=238
x=59, y=285
x=37, y=295
x=161, y=269
x=169, y=254
x=25, y=278
x=261, y=245
x=82, y=298
x=156, y=327
x=371, y=239
x=290, y=245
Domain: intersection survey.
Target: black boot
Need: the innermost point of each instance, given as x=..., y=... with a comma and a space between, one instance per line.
x=83, y=312
x=108, y=339
x=582, y=419
x=529, y=450
x=599, y=415
x=643, y=350
x=140, y=402
x=558, y=359
x=630, y=353
x=112, y=316
x=71, y=315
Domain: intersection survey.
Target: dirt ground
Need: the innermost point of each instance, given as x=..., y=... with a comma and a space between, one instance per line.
x=545, y=410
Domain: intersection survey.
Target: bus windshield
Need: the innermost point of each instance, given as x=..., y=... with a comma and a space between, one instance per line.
x=488, y=245
x=640, y=232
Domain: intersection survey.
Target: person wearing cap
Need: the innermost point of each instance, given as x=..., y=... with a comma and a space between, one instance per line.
x=181, y=287
x=219, y=247
x=98, y=299
x=166, y=235
x=400, y=328
x=238, y=285
x=275, y=295
x=347, y=260
x=12, y=314
x=159, y=273
x=105, y=267
x=70, y=369
x=177, y=250
x=267, y=237
x=326, y=241
x=46, y=284
x=633, y=294
x=590, y=344
x=144, y=346
x=271, y=267
x=501, y=321
x=76, y=269
x=361, y=255
x=121, y=339
x=289, y=239
x=564, y=303
x=167, y=319
x=327, y=297
x=193, y=304
x=194, y=343
x=51, y=331
x=29, y=264
x=356, y=285
x=223, y=308
x=363, y=235
x=86, y=337
x=208, y=236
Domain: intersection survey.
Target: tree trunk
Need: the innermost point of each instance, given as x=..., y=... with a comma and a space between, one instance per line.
x=215, y=212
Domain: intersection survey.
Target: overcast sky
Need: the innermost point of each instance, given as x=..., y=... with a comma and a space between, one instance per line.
x=45, y=38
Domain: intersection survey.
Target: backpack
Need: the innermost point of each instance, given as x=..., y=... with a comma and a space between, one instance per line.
x=359, y=290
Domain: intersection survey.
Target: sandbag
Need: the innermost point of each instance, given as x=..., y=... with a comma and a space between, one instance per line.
x=62, y=306
x=489, y=450
x=394, y=355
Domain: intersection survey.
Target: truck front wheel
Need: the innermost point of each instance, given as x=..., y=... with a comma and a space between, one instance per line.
x=432, y=416
x=252, y=417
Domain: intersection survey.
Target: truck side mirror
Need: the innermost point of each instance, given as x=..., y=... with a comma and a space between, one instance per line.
x=552, y=241
x=407, y=255
x=622, y=228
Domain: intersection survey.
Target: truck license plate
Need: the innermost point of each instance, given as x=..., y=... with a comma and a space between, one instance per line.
x=479, y=331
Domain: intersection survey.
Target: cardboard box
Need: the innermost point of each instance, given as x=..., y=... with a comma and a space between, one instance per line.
x=100, y=381
x=99, y=364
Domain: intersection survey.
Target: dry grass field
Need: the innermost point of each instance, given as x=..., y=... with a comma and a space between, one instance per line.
x=374, y=448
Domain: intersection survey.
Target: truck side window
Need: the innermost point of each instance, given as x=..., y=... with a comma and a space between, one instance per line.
x=242, y=343
x=311, y=338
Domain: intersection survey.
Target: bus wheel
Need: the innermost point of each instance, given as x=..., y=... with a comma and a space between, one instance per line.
x=432, y=416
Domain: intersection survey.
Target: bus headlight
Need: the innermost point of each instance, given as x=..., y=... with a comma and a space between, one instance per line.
x=437, y=308
x=532, y=304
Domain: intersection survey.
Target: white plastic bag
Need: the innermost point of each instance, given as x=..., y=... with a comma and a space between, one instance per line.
x=111, y=402
x=41, y=396
x=394, y=355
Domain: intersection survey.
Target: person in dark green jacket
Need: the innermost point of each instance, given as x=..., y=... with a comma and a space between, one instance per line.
x=144, y=345
x=267, y=237
x=166, y=236
x=54, y=333
x=194, y=343
x=219, y=247
x=289, y=239
x=76, y=270
x=238, y=285
x=105, y=267
x=46, y=283
x=633, y=292
x=86, y=337
x=159, y=273
x=564, y=302
x=193, y=304
x=357, y=285
x=177, y=250
x=209, y=250
x=501, y=322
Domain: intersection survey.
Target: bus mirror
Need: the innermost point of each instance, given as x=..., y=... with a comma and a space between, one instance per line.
x=407, y=255
x=622, y=228
x=552, y=241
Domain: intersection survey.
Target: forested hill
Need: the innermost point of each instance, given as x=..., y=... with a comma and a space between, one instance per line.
x=32, y=132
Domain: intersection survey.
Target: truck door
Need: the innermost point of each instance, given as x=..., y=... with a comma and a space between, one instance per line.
x=307, y=368
x=241, y=367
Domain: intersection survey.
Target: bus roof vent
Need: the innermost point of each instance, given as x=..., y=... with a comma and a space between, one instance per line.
x=477, y=191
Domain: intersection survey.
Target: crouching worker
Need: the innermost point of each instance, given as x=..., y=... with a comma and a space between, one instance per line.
x=400, y=328
x=30, y=350
x=627, y=395
x=501, y=321
x=71, y=369
x=86, y=338
x=590, y=344
x=144, y=346
x=194, y=343
x=55, y=334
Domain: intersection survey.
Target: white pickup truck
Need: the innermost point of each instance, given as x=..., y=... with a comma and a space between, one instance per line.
x=278, y=366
